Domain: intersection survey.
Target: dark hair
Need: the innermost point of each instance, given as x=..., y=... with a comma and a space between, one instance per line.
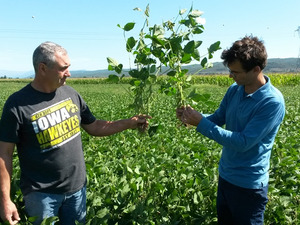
x=45, y=53
x=249, y=51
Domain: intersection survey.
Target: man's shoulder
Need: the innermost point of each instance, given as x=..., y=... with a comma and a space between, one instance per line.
x=69, y=89
x=274, y=94
x=233, y=89
x=20, y=94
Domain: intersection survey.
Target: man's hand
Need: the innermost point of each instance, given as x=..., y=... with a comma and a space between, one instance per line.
x=140, y=122
x=179, y=112
x=188, y=115
x=9, y=213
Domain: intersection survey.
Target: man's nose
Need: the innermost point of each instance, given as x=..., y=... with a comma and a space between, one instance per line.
x=68, y=73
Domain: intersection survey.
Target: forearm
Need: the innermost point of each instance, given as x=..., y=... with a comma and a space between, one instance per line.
x=6, y=155
x=8, y=210
x=105, y=128
x=238, y=141
x=5, y=178
x=113, y=127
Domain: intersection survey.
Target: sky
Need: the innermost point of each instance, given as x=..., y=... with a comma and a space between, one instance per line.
x=89, y=32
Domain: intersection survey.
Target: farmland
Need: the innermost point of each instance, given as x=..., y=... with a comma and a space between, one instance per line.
x=170, y=176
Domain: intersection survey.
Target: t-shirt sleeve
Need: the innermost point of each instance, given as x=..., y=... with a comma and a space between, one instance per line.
x=87, y=116
x=9, y=124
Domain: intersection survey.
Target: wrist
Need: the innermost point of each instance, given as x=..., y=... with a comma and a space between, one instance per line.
x=4, y=200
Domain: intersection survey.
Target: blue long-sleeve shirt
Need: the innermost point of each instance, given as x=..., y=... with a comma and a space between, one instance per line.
x=252, y=122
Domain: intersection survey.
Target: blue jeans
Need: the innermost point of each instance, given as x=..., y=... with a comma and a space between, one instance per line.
x=68, y=207
x=237, y=205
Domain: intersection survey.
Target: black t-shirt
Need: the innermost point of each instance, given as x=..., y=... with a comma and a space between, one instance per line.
x=46, y=130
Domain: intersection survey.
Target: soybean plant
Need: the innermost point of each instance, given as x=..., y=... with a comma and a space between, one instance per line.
x=163, y=49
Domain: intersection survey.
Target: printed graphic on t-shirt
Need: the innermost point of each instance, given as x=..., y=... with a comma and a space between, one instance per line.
x=56, y=124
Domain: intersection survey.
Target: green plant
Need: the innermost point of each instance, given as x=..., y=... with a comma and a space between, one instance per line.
x=145, y=73
x=171, y=178
x=179, y=48
x=166, y=46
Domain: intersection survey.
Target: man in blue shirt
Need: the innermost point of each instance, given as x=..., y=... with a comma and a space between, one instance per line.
x=252, y=111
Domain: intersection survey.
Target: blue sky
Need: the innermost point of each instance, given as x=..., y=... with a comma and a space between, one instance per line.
x=88, y=28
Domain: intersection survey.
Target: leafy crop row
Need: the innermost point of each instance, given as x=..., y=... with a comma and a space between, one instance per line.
x=215, y=79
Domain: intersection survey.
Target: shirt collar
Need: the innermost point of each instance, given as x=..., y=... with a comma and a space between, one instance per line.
x=259, y=93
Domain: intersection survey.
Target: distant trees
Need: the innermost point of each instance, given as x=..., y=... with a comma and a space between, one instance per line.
x=5, y=77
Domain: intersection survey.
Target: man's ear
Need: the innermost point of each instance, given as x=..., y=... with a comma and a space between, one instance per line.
x=42, y=68
x=257, y=69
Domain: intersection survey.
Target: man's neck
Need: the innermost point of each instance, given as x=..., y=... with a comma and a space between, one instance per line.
x=39, y=86
x=259, y=82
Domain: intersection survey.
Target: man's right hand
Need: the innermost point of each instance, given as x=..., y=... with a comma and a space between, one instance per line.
x=9, y=213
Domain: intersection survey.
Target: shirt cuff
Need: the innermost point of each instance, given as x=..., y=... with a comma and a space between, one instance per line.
x=203, y=126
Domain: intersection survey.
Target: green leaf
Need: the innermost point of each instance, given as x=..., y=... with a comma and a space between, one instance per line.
x=156, y=40
x=102, y=213
x=137, y=9
x=134, y=73
x=152, y=69
x=198, y=97
x=32, y=219
x=204, y=62
x=113, y=65
x=198, y=30
x=195, y=199
x=187, y=58
x=183, y=72
x=97, y=201
x=119, y=68
x=129, y=26
x=112, y=62
x=189, y=78
x=171, y=73
x=113, y=78
x=175, y=44
x=129, y=169
x=130, y=44
x=197, y=44
x=137, y=83
x=185, y=22
x=153, y=129
x=157, y=52
x=196, y=55
x=214, y=47
x=50, y=220
x=110, y=68
x=147, y=11
x=137, y=170
x=189, y=47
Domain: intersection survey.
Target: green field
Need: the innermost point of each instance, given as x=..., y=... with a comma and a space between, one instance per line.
x=170, y=177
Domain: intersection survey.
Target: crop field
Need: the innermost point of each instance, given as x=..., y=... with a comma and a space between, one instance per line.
x=169, y=175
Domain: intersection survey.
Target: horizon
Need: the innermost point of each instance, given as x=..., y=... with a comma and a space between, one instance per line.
x=30, y=73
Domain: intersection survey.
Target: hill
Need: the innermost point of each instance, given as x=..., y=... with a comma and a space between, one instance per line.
x=288, y=65
x=275, y=65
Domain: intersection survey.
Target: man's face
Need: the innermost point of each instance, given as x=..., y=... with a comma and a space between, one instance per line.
x=58, y=73
x=240, y=76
